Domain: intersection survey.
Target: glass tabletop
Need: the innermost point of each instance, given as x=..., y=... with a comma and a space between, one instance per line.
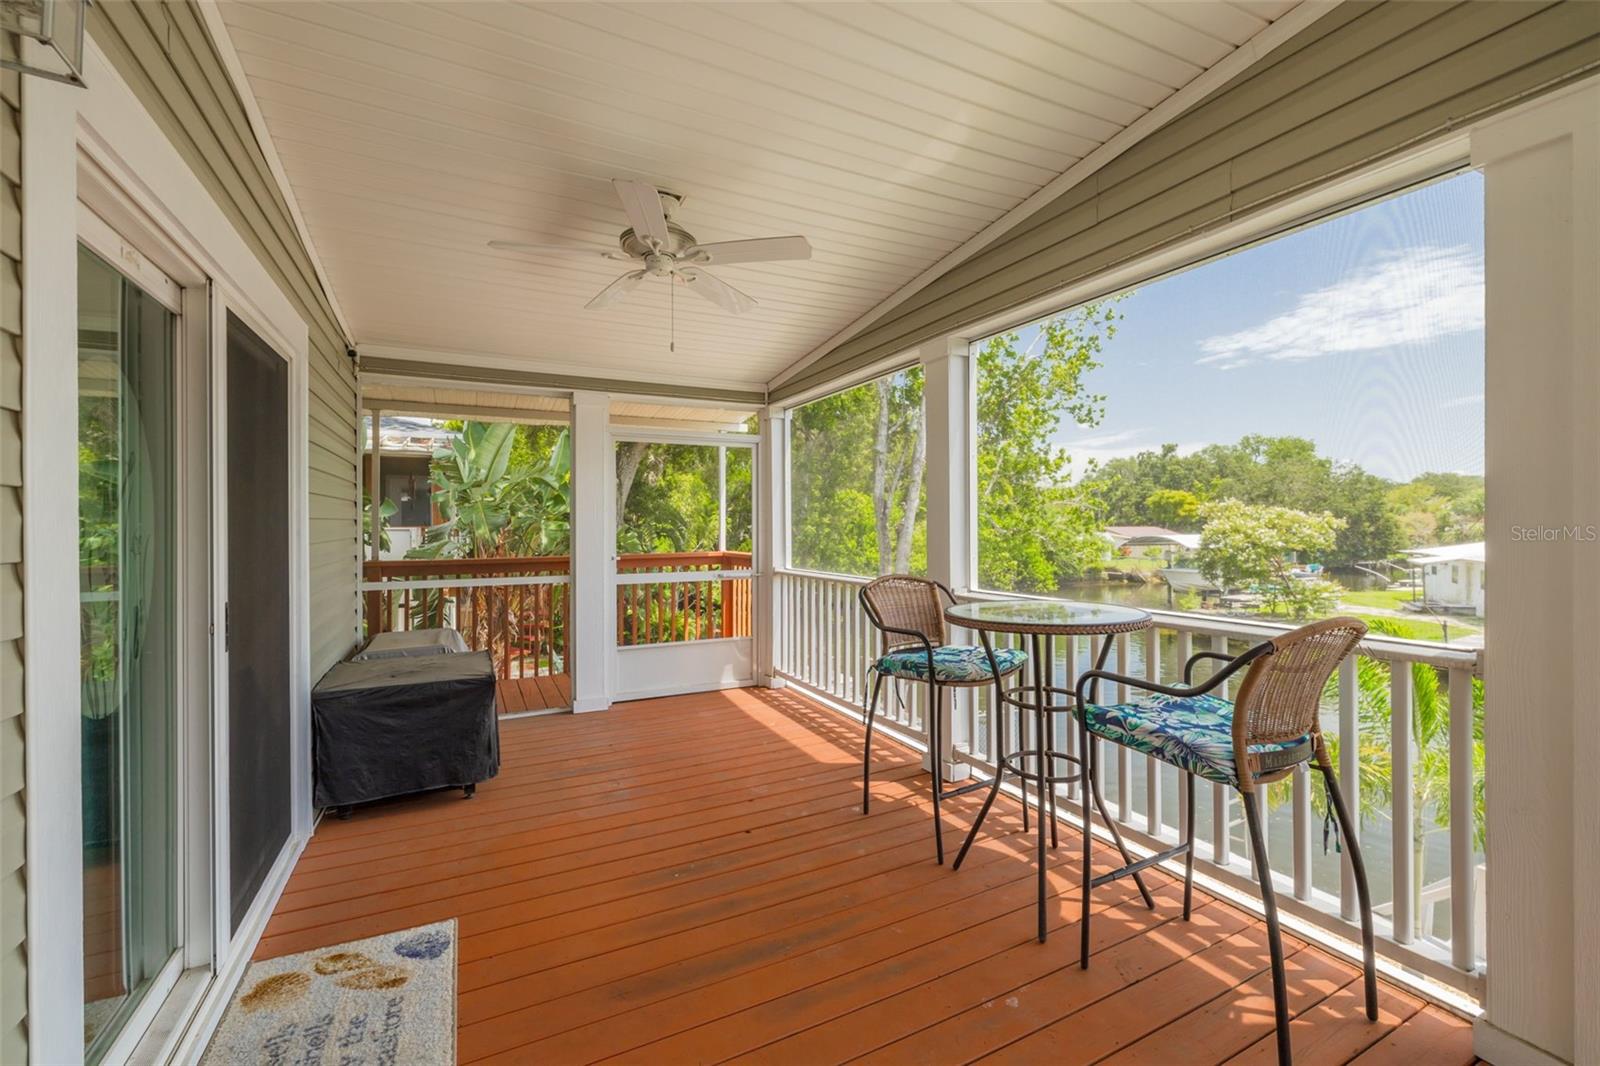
x=1061, y=617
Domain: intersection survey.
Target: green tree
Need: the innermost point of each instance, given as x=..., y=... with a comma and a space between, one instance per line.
x=1035, y=528
x=855, y=479
x=1246, y=544
x=491, y=508
x=667, y=497
x=1258, y=469
x=1177, y=509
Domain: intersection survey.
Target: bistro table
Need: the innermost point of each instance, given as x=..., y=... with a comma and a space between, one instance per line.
x=1040, y=621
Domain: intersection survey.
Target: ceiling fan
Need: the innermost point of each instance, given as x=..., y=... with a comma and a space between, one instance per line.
x=665, y=249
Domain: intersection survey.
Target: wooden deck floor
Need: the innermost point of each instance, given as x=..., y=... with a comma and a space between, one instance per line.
x=691, y=880
x=517, y=695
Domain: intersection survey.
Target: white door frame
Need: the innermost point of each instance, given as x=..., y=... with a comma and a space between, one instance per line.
x=99, y=145
x=683, y=666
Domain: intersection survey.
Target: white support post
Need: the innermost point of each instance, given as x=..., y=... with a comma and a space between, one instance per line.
x=375, y=490
x=594, y=558
x=1541, y=168
x=947, y=410
x=771, y=545
x=947, y=406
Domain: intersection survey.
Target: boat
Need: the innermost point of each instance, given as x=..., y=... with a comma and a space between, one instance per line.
x=1187, y=579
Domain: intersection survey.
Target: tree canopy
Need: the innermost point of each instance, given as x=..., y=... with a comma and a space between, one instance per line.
x=1162, y=487
x=858, y=460
x=1035, y=528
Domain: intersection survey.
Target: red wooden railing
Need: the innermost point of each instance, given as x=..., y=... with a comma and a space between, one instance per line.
x=510, y=607
x=662, y=611
x=517, y=608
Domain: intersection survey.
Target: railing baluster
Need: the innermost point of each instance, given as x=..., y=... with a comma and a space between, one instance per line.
x=1124, y=754
x=1069, y=680
x=1184, y=648
x=1400, y=761
x=838, y=643
x=1221, y=795
x=1349, y=770
x=1152, y=767
x=1463, y=814
x=1302, y=832
x=855, y=624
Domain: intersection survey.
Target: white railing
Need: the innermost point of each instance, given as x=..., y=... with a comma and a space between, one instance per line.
x=1427, y=920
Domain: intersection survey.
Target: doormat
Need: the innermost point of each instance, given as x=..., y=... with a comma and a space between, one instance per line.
x=385, y=999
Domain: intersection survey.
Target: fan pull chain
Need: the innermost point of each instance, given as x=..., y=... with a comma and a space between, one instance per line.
x=672, y=313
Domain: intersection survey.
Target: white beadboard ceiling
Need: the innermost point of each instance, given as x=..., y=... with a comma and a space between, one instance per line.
x=888, y=134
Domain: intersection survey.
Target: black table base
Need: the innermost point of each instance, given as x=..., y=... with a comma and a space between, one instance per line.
x=1045, y=701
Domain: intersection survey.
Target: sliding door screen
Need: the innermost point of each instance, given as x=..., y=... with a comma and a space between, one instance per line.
x=258, y=612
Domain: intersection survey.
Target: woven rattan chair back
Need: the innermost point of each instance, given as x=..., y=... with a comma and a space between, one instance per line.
x=901, y=601
x=1280, y=697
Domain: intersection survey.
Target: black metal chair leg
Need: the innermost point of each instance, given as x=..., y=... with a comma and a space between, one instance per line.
x=1043, y=668
x=1116, y=836
x=1086, y=751
x=866, y=754
x=935, y=759
x=1359, y=868
x=1269, y=902
x=997, y=720
x=1044, y=815
x=1188, y=858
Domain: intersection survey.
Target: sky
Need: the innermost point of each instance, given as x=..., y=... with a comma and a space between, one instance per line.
x=1363, y=333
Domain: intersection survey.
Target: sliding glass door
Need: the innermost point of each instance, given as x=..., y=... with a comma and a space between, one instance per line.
x=126, y=529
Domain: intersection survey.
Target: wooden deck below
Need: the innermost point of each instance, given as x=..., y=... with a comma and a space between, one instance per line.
x=691, y=880
x=518, y=695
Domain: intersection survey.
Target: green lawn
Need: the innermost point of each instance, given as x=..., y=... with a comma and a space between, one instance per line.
x=1382, y=598
x=1421, y=628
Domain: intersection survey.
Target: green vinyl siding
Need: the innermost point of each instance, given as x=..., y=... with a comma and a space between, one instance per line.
x=13, y=887
x=167, y=57
x=1361, y=84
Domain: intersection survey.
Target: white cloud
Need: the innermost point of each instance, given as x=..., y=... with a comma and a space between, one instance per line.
x=1105, y=440
x=1403, y=298
x=1085, y=458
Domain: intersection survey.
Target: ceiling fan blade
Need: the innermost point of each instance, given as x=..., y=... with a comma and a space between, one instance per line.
x=758, y=250
x=642, y=202
x=614, y=292
x=718, y=291
x=551, y=249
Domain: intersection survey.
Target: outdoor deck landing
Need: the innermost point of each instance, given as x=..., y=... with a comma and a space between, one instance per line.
x=517, y=695
x=691, y=880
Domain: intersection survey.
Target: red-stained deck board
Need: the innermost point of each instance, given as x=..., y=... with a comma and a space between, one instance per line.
x=690, y=879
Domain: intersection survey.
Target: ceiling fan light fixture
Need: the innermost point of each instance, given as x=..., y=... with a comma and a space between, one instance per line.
x=663, y=249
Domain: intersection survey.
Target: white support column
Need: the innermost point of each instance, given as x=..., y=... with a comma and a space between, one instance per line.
x=1541, y=167
x=947, y=401
x=594, y=600
x=375, y=492
x=771, y=541
x=947, y=409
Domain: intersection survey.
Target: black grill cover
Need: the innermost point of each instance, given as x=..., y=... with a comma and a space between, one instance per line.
x=386, y=727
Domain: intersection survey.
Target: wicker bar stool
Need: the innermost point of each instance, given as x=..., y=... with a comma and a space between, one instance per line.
x=1257, y=739
x=909, y=613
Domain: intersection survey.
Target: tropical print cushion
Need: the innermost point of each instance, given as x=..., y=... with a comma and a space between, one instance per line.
x=952, y=662
x=1193, y=733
